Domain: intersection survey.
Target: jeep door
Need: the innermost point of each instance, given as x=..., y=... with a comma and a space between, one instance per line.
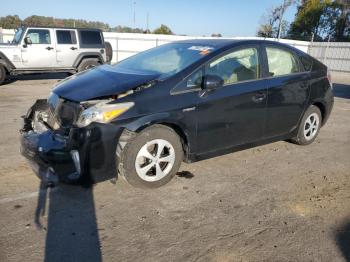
x=67, y=48
x=233, y=114
x=40, y=53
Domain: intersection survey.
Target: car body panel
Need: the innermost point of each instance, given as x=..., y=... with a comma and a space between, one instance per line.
x=209, y=122
x=99, y=82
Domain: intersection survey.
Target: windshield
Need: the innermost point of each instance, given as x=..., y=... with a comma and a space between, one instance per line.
x=166, y=60
x=17, y=36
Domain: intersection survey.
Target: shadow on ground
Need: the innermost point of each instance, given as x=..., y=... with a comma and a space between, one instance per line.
x=341, y=90
x=72, y=233
x=343, y=240
x=59, y=76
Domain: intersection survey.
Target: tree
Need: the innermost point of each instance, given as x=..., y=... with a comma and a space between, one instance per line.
x=311, y=19
x=341, y=31
x=10, y=22
x=272, y=23
x=163, y=30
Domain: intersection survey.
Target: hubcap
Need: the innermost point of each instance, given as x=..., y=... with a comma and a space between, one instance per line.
x=311, y=126
x=155, y=160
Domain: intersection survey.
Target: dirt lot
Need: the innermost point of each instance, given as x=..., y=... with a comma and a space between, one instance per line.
x=278, y=202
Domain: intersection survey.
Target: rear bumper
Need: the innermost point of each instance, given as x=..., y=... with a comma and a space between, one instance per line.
x=83, y=155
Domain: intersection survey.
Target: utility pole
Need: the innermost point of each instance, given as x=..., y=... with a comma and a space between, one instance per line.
x=134, y=7
x=147, y=27
x=281, y=20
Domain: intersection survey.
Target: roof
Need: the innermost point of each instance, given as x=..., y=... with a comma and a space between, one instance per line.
x=225, y=42
x=59, y=27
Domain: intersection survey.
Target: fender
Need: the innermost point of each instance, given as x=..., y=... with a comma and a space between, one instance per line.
x=84, y=55
x=6, y=62
x=168, y=119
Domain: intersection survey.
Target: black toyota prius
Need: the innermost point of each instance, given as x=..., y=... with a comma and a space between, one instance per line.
x=182, y=101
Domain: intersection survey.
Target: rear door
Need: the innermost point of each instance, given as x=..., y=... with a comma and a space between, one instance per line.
x=233, y=114
x=67, y=48
x=41, y=52
x=288, y=90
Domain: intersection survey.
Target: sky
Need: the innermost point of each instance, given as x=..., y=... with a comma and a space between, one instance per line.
x=188, y=17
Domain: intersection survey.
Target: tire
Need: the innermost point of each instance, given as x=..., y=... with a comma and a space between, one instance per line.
x=2, y=74
x=133, y=164
x=87, y=64
x=109, y=52
x=309, y=126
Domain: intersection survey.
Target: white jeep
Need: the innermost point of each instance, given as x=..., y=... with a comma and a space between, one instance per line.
x=45, y=50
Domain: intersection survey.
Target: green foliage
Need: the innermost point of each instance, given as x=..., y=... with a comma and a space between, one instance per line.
x=163, y=30
x=322, y=19
x=11, y=22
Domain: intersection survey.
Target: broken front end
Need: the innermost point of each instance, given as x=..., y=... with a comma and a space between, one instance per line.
x=63, y=142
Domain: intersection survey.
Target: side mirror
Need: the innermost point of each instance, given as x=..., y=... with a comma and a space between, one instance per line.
x=212, y=82
x=27, y=40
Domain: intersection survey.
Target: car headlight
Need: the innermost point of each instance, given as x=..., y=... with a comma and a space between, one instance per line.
x=102, y=113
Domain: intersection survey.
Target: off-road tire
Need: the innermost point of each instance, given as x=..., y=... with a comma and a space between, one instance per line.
x=300, y=139
x=87, y=64
x=109, y=52
x=127, y=157
x=2, y=74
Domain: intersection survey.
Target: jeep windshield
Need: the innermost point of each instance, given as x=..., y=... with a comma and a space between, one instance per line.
x=18, y=35
x=165, y=60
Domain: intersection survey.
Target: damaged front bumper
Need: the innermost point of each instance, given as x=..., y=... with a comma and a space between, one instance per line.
x=81, y=155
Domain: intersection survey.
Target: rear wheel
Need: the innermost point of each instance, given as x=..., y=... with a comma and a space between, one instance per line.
x=309, y=126
x=88, y=63
x=152, y=157
x=2, y=74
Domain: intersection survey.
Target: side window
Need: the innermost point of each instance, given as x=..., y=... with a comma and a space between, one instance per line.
x=307, y=63
x=90, y=37
x=191, y=83
x=240, y=65
x=281, y=62
x=66, y=37
x=39, y=36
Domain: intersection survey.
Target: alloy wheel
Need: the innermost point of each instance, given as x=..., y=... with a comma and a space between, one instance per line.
x=311, y=126
x=155, y=160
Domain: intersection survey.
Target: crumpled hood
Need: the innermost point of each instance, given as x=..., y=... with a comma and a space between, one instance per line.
x=101, y=81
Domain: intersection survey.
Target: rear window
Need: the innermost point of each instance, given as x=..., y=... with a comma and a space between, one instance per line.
x=90, y=38
x=66, y=37
x=281, y=62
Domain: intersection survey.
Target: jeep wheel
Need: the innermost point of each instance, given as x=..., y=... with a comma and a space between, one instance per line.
x=152, y=157
x=87, y=64
x=2, y=74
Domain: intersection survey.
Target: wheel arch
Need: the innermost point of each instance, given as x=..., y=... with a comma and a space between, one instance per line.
x=322, y=107
x=87, y=55
x=6, y=62
x=179, y=129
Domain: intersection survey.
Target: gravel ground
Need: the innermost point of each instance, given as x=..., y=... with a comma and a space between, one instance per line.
x=278, y=202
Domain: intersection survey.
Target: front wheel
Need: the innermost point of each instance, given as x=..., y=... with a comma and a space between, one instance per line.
x=152, y=157
x=309, y=126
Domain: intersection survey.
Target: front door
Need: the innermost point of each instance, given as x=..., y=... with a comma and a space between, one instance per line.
x=41, y=52
x=233, y=114
x=67, y=48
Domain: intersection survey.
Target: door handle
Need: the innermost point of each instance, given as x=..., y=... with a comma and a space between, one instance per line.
x=49, y=48
x=73, y=48
x=259, y=97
